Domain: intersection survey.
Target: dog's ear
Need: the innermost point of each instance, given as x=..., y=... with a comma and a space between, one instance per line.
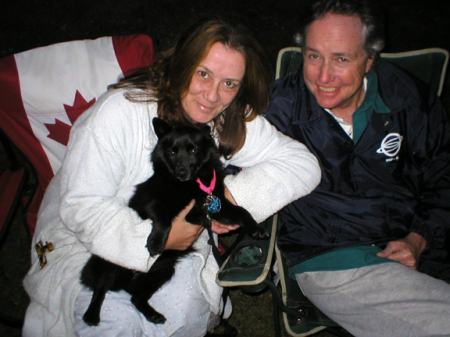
x=204, y=128
x=161, y=127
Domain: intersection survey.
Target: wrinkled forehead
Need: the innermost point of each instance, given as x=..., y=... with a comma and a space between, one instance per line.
x=336, y=31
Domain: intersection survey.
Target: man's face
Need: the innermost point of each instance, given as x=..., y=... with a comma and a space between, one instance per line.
x=335, y=63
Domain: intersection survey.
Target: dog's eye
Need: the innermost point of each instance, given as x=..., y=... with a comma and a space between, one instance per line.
x=170, y=152
x=193, y=151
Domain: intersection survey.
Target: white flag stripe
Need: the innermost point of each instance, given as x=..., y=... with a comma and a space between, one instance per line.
x=50, y=77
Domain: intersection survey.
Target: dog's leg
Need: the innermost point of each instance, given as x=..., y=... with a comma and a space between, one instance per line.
x=157, y=239
x=145, y=285
x=102, y=276
x=235, y=215
x=92, y=315
x=196, y=215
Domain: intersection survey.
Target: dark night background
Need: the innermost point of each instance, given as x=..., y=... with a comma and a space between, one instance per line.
x=410, y=25
x=27, y=24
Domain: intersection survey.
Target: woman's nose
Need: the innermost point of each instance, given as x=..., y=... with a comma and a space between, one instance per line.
x=212, y=93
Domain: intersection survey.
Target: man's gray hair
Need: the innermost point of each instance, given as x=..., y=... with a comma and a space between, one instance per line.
x=373, y=28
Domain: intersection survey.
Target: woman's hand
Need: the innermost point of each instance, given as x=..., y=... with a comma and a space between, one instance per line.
x=221, y=228
x=407, y=251
x=183, y=233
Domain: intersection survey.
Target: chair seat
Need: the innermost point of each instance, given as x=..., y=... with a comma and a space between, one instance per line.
x=251, y=260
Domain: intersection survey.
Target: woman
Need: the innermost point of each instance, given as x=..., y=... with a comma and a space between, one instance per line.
x=215, y=75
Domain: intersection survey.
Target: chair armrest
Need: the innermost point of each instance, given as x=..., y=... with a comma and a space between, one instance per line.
x=251, y=260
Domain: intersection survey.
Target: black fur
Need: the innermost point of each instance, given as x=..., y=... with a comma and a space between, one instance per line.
x=181, y=155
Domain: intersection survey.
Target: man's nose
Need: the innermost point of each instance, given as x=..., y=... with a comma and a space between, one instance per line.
x=325, y=72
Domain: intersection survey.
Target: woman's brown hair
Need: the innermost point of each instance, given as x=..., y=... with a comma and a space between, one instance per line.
x=169, y=79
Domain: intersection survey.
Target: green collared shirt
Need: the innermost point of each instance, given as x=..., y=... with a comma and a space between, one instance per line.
x=372, y=102
x=342, y=259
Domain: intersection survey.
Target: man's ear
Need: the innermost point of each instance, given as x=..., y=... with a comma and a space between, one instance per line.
x=369, y=63
x=161, y=127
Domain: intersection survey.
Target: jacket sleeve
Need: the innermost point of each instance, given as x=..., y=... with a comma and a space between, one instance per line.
x=430, y=147
x=276, y=170
x=94, y=195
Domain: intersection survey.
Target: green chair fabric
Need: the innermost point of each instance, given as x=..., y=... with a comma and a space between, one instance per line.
x=429, y=65
x=289, y=60
x=250, y=262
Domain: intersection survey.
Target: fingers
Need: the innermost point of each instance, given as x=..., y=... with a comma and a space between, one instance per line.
x=221, y=228
x=399, y=251
x=391, y=248
x=186, y=210
x=183, y=234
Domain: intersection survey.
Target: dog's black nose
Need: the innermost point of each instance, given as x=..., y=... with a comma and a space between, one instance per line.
x=182, y=174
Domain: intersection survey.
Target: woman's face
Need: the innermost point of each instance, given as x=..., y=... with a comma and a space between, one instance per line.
x=215, y=83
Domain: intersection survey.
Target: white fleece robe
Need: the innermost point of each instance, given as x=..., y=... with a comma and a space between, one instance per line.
x=85, y=210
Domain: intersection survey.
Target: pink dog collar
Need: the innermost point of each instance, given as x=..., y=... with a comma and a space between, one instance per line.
x=211, y=187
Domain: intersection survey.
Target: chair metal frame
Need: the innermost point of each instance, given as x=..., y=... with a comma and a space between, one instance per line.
x=16, y=192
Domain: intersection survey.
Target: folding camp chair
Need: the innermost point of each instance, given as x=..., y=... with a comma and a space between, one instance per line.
x=249, y=265
x=44, y=90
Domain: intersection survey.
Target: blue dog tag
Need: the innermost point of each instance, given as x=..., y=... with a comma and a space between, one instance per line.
x=213, y=203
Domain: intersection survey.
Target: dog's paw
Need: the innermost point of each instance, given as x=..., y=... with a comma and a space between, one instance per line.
x=260, y=233
x=156, y=318
x=154, y=247
x=91, y=319
x=154, y=251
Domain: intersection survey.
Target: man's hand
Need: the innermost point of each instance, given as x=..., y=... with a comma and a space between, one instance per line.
x=183, y=233
x=407, y=251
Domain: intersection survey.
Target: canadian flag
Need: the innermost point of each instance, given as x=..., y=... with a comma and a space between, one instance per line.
x=44, y=90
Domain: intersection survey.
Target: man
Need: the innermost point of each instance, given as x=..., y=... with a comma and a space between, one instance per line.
x=368, y=245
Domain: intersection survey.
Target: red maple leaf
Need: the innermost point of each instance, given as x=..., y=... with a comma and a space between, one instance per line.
x=59, y=131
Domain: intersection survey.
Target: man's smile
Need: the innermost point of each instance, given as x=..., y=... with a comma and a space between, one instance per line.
x=328, y=89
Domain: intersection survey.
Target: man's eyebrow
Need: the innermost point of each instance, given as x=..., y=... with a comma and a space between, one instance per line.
x=334, y=53
x=341, y=54
x=310, y=49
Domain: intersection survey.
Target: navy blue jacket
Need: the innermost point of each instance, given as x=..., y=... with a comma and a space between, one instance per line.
x=370, y=193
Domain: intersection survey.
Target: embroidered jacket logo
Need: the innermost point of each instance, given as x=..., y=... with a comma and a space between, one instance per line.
x=391, y=145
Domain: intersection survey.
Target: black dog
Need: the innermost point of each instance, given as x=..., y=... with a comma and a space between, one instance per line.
x=186, y=166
